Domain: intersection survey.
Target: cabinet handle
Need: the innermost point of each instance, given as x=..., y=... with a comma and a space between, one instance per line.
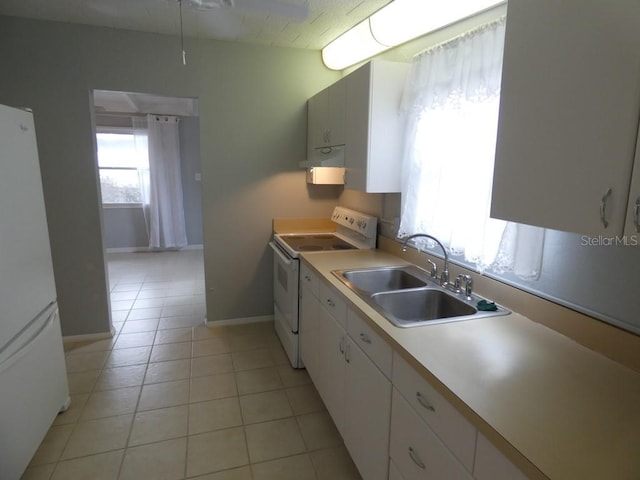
x=347, y=353
x=424, y=402
x=365, y=338
x=416, y=459
x=330, y=303
x=341, y=345
x=636, y=214
x=307, y=278
x=603, y=208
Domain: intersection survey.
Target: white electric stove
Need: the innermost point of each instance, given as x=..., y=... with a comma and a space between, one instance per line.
x=354, y=230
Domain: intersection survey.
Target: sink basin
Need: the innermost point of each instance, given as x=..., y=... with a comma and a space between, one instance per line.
x=408, y=307
x=385, y=279
x=407, y=297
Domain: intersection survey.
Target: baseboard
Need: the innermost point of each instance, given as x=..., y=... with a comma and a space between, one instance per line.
x=239, y=321
x=147, y=249
x=89, y=337
x=127, y=250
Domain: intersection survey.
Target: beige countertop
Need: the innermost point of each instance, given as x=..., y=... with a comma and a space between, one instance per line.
x=545, y=400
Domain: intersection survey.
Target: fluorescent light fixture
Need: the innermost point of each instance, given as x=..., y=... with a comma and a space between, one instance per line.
x=397, y=23
x=351, y=47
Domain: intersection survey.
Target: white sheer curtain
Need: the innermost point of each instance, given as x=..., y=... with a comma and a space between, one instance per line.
x=451, y=100
x=161, y=184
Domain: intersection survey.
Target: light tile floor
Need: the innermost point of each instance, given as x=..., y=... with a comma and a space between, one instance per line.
x=169, y=399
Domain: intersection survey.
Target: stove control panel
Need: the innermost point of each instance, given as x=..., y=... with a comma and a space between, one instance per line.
x=365, y=225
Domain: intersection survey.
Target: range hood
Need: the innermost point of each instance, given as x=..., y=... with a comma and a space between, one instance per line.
x=325, y=157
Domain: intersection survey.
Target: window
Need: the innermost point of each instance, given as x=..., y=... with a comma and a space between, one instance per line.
x=452, y=99
x=120, y=156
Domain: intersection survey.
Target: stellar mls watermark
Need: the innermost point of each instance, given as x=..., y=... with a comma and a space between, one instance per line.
x=615, y=241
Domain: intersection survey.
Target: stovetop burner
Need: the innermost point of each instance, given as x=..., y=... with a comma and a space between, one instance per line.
x=310, y=248
x=316, y=242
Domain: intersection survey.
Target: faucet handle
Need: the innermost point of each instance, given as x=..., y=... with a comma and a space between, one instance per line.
x=434, y=268
x=468, y=284
x=458, y=284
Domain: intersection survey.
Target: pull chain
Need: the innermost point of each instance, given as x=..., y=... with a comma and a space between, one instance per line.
x=184, y=54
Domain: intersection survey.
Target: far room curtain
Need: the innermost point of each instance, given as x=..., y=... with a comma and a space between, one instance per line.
x=162, y=184
x=451, y=100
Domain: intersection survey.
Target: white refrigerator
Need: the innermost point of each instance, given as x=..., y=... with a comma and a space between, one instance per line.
x=33, y=381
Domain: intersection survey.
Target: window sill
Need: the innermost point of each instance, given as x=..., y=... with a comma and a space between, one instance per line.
x=121, y=205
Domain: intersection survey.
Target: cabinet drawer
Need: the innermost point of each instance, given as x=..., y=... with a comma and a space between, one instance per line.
x=491, y=464
x=309, y=279
x=370, y=342
x=458, y=434
x=416, y=451
x=334, y=303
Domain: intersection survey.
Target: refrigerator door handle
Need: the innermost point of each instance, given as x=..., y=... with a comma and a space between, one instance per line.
x=45, y=319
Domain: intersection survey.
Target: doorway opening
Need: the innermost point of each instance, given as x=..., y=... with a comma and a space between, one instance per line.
x=148, y=161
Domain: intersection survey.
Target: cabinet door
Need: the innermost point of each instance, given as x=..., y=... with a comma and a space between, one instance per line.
x=317, y=115
x=375, y=130
x=336, y=121
x=358, y=101
x=309, y=328
x=632, y=223
x=332, y=367
x=368, y=412
x=569, y=113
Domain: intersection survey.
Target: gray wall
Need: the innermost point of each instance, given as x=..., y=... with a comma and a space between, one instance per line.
x=124, y=227
x=252, y=134
x=191, y=189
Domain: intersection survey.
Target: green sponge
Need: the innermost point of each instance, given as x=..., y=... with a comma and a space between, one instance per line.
x=486, y=306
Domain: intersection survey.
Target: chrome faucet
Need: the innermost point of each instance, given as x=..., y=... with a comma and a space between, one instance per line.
x=444, y=276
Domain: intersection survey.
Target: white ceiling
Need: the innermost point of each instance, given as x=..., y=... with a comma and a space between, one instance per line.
x=128, y=102
x=307, y=24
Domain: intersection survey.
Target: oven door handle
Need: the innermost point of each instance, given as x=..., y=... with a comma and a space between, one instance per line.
x=277, y=250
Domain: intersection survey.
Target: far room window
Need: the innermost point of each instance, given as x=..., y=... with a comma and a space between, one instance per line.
x=120, y=158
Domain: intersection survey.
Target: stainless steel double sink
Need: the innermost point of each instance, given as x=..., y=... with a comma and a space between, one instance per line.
x=407, y=296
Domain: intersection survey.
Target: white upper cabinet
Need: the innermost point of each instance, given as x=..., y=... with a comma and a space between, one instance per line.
x=326, y=118
x=374, y=127
x=569, y=111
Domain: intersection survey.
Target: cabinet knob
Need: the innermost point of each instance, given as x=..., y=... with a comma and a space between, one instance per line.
x=636, y=214
x=424, y=402
x=603, y=208
x=365, y=338
x=416, y=459
x=330, y=303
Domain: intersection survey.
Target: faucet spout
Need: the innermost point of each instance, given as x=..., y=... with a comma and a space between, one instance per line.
x=444, y=276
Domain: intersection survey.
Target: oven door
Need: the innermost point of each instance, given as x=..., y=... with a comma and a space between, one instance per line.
x=285, y=287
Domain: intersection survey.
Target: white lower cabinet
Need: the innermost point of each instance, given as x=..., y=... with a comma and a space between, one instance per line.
x=356, y=393
x=333, y=368
x=457, y=433
x=395, y=425
x=491, y=464
x=368, y=409
x=416, y=450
